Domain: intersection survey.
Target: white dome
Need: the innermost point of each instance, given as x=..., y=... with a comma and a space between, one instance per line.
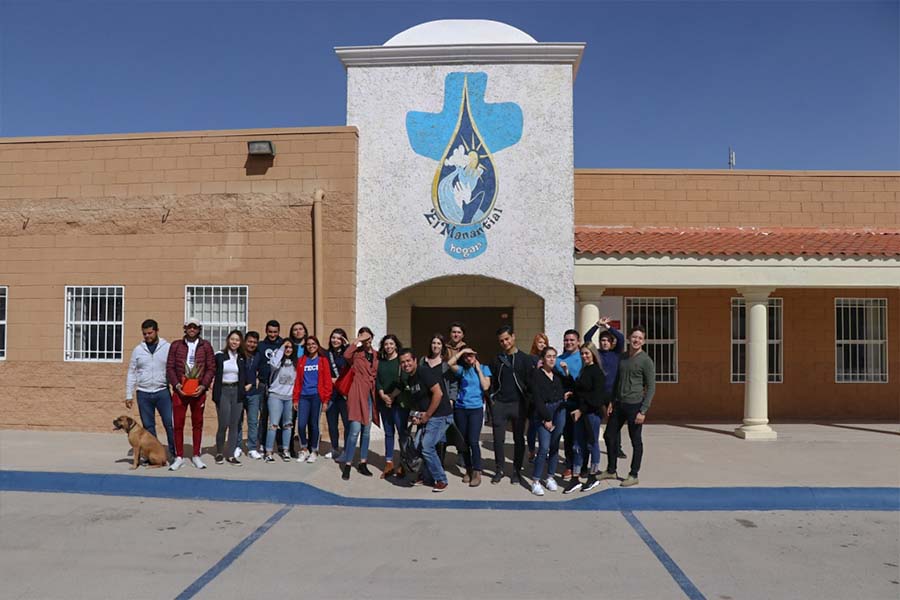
x=460, y=31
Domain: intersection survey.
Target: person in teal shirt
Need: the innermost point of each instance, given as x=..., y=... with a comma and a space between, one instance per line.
x=468, y=412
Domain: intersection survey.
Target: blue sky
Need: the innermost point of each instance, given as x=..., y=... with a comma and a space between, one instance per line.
x=791, y=85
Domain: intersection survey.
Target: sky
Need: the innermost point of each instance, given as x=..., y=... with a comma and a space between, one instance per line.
x=788, y=85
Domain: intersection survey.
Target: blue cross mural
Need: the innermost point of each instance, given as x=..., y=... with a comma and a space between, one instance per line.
x=463, y=138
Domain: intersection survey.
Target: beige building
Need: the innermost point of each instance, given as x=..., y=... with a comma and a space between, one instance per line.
x=767, y=294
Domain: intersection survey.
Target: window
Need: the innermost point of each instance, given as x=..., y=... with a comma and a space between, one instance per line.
x=221, y=308
x=4, y=292
x=94, y=316
x=739, y=340
x=860, y=340
x=659, y=317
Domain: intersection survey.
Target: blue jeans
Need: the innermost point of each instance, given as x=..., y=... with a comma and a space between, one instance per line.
x=435, y=432
x=352, y=433
x=548, y=442
x=587, y=442
x=148, y=403
x=253, y=401
x=308, y=410
x=469, y=421
x=281, y=412
x=337, y=408
x=393, y=419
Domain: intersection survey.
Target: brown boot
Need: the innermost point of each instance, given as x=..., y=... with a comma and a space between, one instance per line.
x=467, y=477
x=476, y=479
x=388, y=469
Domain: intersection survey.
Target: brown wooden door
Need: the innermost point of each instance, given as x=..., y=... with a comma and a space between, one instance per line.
x=481, y=324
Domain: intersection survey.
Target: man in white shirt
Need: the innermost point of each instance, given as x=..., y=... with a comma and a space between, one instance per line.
x=147, y=372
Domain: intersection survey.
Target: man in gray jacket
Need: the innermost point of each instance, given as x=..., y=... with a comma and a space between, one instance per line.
x=147, y=372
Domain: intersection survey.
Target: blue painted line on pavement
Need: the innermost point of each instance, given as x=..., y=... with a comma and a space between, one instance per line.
x=192, y=590
x=670, y=565
x=611, y=499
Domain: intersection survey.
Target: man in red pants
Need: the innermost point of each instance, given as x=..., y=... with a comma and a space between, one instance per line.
x=189, y=351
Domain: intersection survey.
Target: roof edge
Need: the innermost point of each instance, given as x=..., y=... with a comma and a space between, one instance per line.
x=210, y=133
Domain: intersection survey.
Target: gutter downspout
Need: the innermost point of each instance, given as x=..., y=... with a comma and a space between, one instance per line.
x=318, y=261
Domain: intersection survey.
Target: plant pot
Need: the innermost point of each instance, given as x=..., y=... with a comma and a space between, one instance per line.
x=189, y=387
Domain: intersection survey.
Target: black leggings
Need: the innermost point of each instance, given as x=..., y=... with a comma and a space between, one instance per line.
x=622, y=414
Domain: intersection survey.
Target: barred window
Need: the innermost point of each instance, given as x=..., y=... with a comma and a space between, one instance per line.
x=659, y=316
x=774, y=316
x=221, y=309
x=94, y=319
x=860, y=351
x=4, y=292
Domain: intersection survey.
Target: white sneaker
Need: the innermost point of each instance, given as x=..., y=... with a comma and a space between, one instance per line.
x=551, y=484
x=238, y=452
x=197, y=462
x=537, y=489
x=329, y=454
x=304, y=454
x=312, y=457
x=176, y=464
x=255, y=455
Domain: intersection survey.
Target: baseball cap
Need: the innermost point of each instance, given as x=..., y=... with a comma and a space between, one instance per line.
x=193, y=321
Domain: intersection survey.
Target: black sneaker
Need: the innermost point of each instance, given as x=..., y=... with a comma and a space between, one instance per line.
x=269, y=458
x=573, y=487
x=515, y=478
x=219, y=459
x=285, y=457
x=497, y=478
x=622, y=455
x=345, y=472
x=590, y=484
x=363, y=469
x=233, y=461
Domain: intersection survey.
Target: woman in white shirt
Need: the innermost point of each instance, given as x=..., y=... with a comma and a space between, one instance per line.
x=228, y=396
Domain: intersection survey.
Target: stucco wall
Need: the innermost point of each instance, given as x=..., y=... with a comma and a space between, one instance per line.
x=531, y=244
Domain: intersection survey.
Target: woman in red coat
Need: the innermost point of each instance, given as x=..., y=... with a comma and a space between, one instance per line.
x=364, y=364
x=312, y=387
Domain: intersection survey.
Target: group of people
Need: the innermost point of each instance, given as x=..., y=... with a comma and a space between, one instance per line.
x=544, y=397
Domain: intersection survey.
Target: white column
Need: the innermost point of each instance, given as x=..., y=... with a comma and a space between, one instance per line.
x=756, y=398
x=589, y=311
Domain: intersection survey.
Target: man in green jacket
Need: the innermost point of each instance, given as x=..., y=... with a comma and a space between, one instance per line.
x=635, y=385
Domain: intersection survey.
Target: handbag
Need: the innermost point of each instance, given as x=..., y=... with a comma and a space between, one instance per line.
x=344, y=382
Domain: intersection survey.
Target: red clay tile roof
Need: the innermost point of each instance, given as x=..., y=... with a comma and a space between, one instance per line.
x=737, y=241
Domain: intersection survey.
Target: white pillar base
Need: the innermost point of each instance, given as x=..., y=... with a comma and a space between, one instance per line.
x=756, y=432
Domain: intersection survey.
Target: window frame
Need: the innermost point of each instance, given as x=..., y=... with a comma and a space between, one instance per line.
x=226, y=326
x=656, y=302
x=69, y=325
x=881, y=306
x=773, y=305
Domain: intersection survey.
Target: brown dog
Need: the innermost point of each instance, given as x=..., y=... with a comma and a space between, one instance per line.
x=142, y=442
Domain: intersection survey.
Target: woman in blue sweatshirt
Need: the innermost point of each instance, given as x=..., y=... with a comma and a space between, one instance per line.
x=611, y=345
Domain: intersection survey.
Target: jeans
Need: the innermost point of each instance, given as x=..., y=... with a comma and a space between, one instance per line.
x=148, y=403
x=435, y=432
x=468, y=421
x=501, y=413
x=622, y=414
x=253, y=401
x=308, y=410
x=337, y=408
x=587, y=442
x=353, y=431
x=281, y=411
x=548, y=442
x=393, y=418
x=229, y=411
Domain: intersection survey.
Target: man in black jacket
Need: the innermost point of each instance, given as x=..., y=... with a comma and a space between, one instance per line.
x=510, y=372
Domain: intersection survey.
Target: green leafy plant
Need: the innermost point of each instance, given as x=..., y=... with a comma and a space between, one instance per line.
x=192, y=372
